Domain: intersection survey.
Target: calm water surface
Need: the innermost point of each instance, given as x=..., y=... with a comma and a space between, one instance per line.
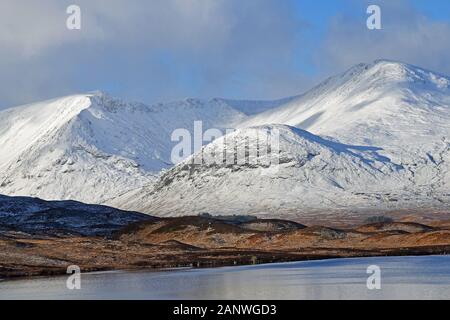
x=402, y=278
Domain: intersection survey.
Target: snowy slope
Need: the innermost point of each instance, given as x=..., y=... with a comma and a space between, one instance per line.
x=384, y=103
x=92, y=147
x=311, y=172
x=399, y=111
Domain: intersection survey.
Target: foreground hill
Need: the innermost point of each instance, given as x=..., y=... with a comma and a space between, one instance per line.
x=306, y=172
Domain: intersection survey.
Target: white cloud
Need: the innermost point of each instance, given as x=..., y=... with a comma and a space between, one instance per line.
x=406, y=36
x=169, y=49
x=30, y=28
x=228, y=45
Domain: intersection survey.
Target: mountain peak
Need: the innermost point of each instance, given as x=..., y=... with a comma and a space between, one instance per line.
x=369, y=102
x=97, y=93
x=390, y=70
x=382, y=69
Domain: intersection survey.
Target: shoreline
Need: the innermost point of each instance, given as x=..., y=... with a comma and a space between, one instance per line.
x=417, y=252
x=210, y=242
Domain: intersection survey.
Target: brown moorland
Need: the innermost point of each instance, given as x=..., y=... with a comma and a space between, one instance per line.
x=209, y=242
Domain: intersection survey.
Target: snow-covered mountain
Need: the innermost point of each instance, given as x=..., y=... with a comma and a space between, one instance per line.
x=392, y=119
x=377, y=136
x=91, y=147
x=399, y=107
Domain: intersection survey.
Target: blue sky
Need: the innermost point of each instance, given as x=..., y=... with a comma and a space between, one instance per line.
x=163, y=50
x=437, y=10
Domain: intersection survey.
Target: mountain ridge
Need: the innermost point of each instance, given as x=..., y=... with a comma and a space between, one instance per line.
x=58, y=148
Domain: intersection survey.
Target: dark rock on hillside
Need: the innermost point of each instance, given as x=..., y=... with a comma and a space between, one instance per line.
x=271, y=225
x=61, y=218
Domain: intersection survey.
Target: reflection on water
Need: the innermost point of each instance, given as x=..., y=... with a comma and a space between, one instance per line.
x=402, y=278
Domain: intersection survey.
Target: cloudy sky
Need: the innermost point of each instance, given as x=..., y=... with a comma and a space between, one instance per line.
x=160, y=50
